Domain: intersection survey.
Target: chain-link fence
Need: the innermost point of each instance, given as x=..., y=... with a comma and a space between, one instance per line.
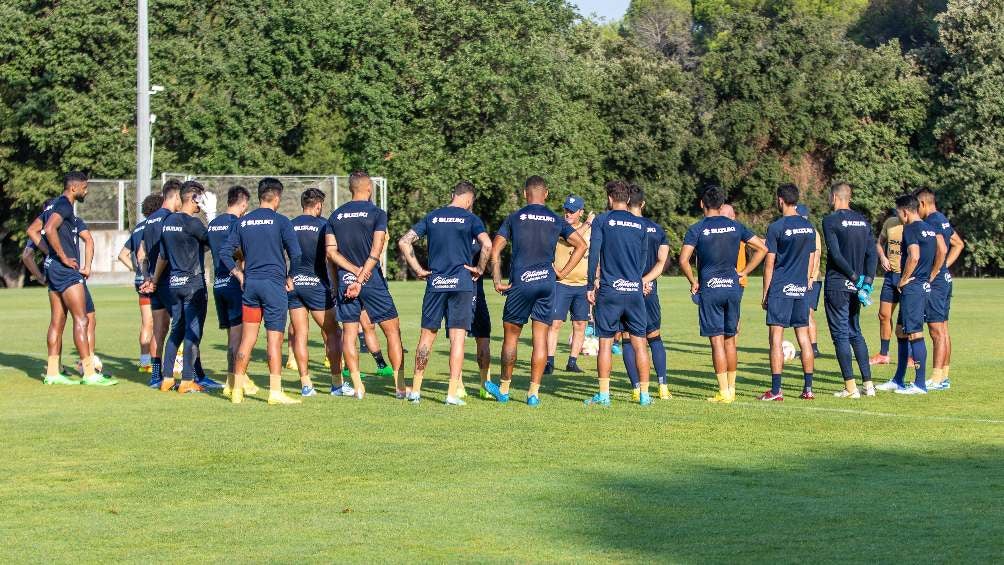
x=110, y=204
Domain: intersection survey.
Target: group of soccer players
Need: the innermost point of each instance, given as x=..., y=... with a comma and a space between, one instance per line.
x=603, y=267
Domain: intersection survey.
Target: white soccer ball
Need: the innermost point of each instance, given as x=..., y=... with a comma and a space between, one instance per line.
x=590, y=347
x=788, y=349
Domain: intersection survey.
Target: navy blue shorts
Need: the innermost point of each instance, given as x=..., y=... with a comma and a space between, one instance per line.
x=377, y=302
x=653, y=311
x=843, y=313
x=315, y=297
x=718, y=311
x=529, y=302
x=481, y=324
x=616, y=311
x=570, y=299
x=88, y=301
x=812, y=295
x=453, y=306
x=60, y=276
x=162, y=298
x=787, y=312
x=913, y=306
x=229, y=300
x=890, y=290
x=270, y=296
x=939, y=302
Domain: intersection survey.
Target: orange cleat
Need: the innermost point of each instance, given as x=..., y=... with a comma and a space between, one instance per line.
x=879, y=359
x=189, y=386
x=167, y=384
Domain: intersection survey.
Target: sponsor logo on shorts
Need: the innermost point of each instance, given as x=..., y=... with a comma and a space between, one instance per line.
x=534, y=276
x=221, y=282
x=716, y=231
x=47, y=263
x=854, y=224
x=349, y=215
x=794, y=290
x=536, y=218
x=245, y=223
x=305, y=228
x=622, y=285
x=445, y=283
x=849, y=285
x=178, y=280
x=306, y=280
x=797, y=231
x=348, y=278
x=948, y=277
x=720, y=282
x=448, y=220
x=624, y=224
x=927, y=287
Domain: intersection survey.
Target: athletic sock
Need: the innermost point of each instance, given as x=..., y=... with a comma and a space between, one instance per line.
x=919, y=349
x=534, y=389
x=52, y=366
x=378, y=357
x=775, y=383
x=815, y=350
x=723, y=383
x=730, y=378
x=903, y=348
x=504, y=386
x=807, y=386
x=573, y=361
x=155, y=369
x=630, y=363
x=885, y=347
x=144, y=359
x=605, y=386
x=88, y=366
x=199, y=372
x=843, y=350
x=945, y=371
x=860, y=347
x=658, y=350
x=550, y=360
x=937, y=375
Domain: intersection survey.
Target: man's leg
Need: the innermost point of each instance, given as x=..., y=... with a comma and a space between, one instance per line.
x=457, y=337
x=248, y=337
x=640, y=346
x=74, y=300
x=274, y=339
x=731, y=364
x=658, y=352
x=54, y=341
x=395, y=351
x=837, y=306
x=860, y=347
x=233, y=345
x=299, y=332
x=885, y=333
x=775, y=338
x=174, y=343
x=422, y=352
x=510, y=341
x=195, y=320
x=939, y=340
x=604, y=361
x=331, y=334
x=350, y=352
x=484, y=358
x=803, y=335
x=578, y=338
x=538, y=356
x=719, y=361
x=146, y=349
x=552, y=344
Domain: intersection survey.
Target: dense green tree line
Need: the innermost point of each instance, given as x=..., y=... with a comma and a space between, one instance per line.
x=887, y=94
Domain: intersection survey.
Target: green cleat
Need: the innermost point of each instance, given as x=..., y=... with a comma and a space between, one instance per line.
x=97, y=379
x=386, y=371
x=60, y=380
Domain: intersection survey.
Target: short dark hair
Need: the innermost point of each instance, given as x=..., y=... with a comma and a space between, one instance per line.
x=269, y=188
x=842, y=188
x=310, y=197
x=713, y=197
x=73, y=177
x=788, y=193
x=908, y=202
x=237, y=193
x=535, y=182
x=463, y=187
x=637, y=195
x=356, y=180
x=191, y=188
x=170, y=187
x=151, y=203
x=618, y=191
x=924, y=194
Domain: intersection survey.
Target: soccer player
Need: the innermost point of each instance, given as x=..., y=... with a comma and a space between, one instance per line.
x=888, y=249
x=570, y=291
x=227, y=293
x=791, y=247
x=312, y=292
x=449, y=289
x=160, y=301
x=129, y=256
x=67, y=280
x=481, y=324
x=850, y=263
x=657, y=247
x=266, y=240
x=940, y=300
x=816, y=288
x=921, y=262
x=355, y=238
x=715, y=240
x=183, y=243
x=534, y=231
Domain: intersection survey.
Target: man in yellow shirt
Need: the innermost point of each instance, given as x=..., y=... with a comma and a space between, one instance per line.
x=729, y=212
x=570, y=291
x=889, y=258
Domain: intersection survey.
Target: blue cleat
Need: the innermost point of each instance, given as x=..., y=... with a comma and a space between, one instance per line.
x=344, y=390
x=308, y=391
x=155, y=382
x=208, y=383
x=645, y=399
x=533, y=401
x=494, y=390
x=598, y=399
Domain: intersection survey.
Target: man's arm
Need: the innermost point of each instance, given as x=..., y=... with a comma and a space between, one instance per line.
x=871, y=260
x=336, y=257
x=595, y=245
x=126, y=257
x=52, y=239
x=497, y=246
x=939, y=258
x=759, y=253
x=957, y=244
x=34, y=232
x=407, y=247
x=579, y=249
x=768, y=275
x=685, y=254
x=158, y=272
x=912, y=258
x=486, y=253
x=883, y=259
x=836, y=257
x=379, y=240
x=660, y=264
x=88, y=254
x=28, y=258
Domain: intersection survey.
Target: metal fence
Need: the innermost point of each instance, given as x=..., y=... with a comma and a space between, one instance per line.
x=110, y=204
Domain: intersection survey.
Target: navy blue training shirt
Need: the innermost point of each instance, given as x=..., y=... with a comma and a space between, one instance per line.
x=183, y=242
x=850, y=249
x=716, y=240
x=68, y=232
x=924, y=236
x=534, y=231
x=262, y=236
x=449, y=230
x=353, y=225
x=944, y=227
x=792, y=240
x=151, y=239
x=618, y=243
x=219, y=231
x=310, y=232
x=132, y=244
x=655, y=238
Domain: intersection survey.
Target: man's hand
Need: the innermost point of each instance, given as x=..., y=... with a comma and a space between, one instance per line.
x=811, y=282
x=590, y=218
x=695, y=287
x=239, y=275
x=353, y=290
x=148, y=287
x=591, y=297
x=886, y=265
x=763, y=302
x=69, y=262
x=646, y=288
x=289, y=284
x=475, y=272
x=85, y=272
x=904, y=282
x=363, y=276
x=559, y=274
x=502, y=288
x=423, y=274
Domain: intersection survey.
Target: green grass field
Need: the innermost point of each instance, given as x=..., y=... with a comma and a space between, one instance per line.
x=130, y=474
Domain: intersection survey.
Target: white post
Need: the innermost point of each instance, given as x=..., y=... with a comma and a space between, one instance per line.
x=121, y=205
x=143, y=160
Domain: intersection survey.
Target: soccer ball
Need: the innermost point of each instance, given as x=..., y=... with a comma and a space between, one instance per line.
x=788, y=349
x=590, y=346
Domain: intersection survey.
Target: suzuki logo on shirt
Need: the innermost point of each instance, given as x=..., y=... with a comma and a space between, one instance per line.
x=710, y=231
x=447, y=220
x=945, y=225
x=139, y=229
x=623, y=224
x=305, y=228
x=348, y=215
x=155, y=220
x=720, y=282
x=534, y=276
x=925, y=233
x=219, y=228
x=246, y=223
x=854, y=224
x=622, y=285
x=650, y=230
x=445, y=282
x=536, y=218
x=797, y=231
x=172, y=228
x=794, y=290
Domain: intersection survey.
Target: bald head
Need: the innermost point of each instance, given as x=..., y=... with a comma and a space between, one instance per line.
x=728, y=211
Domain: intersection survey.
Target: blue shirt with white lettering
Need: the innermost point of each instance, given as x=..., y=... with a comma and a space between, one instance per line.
x=132, y=244
x=68, y=231
x=792, y=240
x=450, y=230
x=944, y=227
x=151, y=240
x=183, y=243
x=655, y=238
x=618, y=244
x=265, y=238
x=924, y=236
x=219, y=232
x=716, y=240
x=850, y=250
x=310, y=232
x=353, y=225
x=534, y=231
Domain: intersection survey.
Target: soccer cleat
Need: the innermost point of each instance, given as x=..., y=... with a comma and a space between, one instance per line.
x=291, y=364
x=155, y=382
x=598, y=399
x=414, y=397
x=237, y=396
x=769, y=396
x=573, y=368
x=385, y=371
x=533, y=401
x=485, y=395
x=250, y=389
x=845, y=394
x=664, y=393
x=190, y=386
x=879, y=359
x=146, y=368
x=208, y=383
x=494, y=390
x=344, y=390
x=454, y=401
x=720, y=398
x=360, y=394
x=889, y=386
x=912, y=389
x=167, y=384
x=97, y=379
x=276, y=398
x=227, y=392
x=548, y=369
x=645, y=400
x=943, y=385
x=60, y=379
x=401, y=394
x=308, y=391
x=869, y=389
x=807, y=395
x=635, y=394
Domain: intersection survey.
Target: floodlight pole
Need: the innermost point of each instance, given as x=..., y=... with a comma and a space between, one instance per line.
x=144, y=164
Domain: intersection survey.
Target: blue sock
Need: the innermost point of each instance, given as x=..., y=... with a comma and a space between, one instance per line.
x=658, y=358
x=155, y=373
x=630, y=363
x=550, y=360
x=815, y=350
x=860, y=347
x=775, y=383
x=573, y=361
x=808, y=382
x=843, y=350
x=919, y=349
x=903, y=349
x=199, y=373
x=884, y=350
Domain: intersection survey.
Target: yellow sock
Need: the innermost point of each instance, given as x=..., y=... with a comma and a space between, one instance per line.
x=275, y=384
x=937, y=375
x=52, y=365
x=88, y=364
x=945, y=371
x=416, y=383
x=504, y=386
x=534, y=389
x=723, y=383
x=730, y=377
x=451, y=391
x=605, y=385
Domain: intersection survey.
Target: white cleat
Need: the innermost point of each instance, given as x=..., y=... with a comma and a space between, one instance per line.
x=844, y=394
x=454, y=401
x=870, y=389
x=888, y=386
x=912, y=389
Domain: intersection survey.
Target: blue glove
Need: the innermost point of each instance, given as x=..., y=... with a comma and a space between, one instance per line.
x=861, y=282
x=864, y=295
x=590, y=330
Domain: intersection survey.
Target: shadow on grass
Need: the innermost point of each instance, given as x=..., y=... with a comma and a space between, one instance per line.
x=848, y=505
x=34, y=367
